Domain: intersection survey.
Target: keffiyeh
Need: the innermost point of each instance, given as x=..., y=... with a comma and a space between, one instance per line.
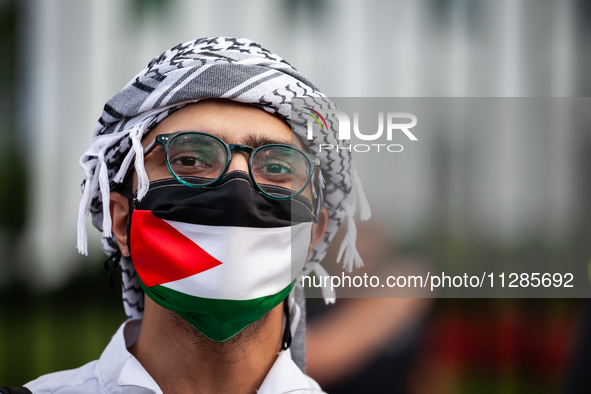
x=230, y=68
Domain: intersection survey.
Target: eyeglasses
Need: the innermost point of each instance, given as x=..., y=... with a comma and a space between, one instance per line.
x=199, y=159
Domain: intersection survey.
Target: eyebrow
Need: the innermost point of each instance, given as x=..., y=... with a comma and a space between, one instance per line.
x=255, y=141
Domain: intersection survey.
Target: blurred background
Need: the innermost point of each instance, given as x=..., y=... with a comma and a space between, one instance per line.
x=60, y=61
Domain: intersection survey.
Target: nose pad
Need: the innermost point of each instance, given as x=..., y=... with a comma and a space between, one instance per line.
x=239, y=162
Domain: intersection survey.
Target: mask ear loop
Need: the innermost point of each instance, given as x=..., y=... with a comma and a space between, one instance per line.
x=286, y=341
x=116, y=258
x=128, y=240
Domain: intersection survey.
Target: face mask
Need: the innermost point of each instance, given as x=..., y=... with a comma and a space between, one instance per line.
x=221, y=257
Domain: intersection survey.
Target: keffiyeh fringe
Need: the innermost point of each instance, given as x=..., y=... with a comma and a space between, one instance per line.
x=94, y=157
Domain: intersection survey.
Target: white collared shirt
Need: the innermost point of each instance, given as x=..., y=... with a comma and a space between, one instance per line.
x=118, y=372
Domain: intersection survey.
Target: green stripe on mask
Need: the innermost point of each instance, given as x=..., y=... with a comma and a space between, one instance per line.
x=218, y=320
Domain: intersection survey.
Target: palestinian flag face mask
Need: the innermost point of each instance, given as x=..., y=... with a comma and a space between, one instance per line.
x=221, y=257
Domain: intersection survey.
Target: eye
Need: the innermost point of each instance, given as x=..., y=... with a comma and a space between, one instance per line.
x=277, y=168
x=194, y=164
x=188, y=160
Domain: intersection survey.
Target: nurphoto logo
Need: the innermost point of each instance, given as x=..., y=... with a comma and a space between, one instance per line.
x=393, y=126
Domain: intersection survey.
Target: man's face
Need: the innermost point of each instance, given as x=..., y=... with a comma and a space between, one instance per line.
x=233, y=122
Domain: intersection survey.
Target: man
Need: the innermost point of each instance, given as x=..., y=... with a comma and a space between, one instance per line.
x=212, y=206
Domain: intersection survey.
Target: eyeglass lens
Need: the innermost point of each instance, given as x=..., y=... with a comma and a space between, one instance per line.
x=199, y=159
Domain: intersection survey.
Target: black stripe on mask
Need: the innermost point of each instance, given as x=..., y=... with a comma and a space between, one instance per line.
x=231, y=202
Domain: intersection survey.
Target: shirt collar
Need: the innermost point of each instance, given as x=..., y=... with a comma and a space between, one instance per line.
x=117, y=368
x=284, y=376
x=134, y=374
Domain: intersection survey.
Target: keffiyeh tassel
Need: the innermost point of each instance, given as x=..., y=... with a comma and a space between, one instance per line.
x=328, y=294
x=348, y=251
x=321, y=184
x=321, y=180
x=137, y=148
x=104, y=188
x=318, y=194
x=83, y=209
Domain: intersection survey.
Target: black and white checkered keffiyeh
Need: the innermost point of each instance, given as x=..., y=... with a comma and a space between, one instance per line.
x=220, y=67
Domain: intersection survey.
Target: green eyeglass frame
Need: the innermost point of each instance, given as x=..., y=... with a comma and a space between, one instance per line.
x=166, y=139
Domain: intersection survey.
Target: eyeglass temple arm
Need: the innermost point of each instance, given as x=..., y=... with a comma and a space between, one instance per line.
x=150, y=146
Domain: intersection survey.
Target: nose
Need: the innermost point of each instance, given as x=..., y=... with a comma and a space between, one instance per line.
x=239, y=162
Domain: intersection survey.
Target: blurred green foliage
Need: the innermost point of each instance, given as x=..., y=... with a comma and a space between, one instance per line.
x=144, y=10
x=64, y=329
x=12, y=171
x=12, y=191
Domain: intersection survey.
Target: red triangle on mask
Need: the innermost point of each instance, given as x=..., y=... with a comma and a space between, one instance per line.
x=161, y=254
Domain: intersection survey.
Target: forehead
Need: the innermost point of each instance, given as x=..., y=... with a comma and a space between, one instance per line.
x=233, y=122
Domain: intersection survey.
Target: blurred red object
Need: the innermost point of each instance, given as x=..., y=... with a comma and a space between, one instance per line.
x=527, y=341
